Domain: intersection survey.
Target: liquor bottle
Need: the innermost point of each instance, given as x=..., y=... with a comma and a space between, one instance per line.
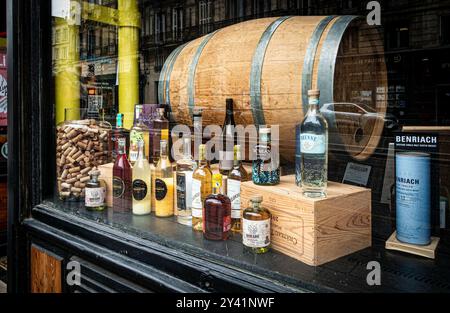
x=164, y=183
x=164, y=136
x=122, y=176
x=138, y=132
x=228, y=140
x=119, y=132
x=314, y=149
x=217, y=213
x=141, y=183
x=197, y=139
x=201, y=188
x=256, y=226
x=265, y=169
x=237, y=175
x=185, y=170
x=95, y=192
x=160, y=124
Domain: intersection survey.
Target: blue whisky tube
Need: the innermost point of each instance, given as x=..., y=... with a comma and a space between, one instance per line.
x=412, y=177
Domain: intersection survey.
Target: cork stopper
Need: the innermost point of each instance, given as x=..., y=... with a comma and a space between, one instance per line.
x=314, y=93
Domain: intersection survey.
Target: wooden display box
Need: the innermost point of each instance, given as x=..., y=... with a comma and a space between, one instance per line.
x=315, y=231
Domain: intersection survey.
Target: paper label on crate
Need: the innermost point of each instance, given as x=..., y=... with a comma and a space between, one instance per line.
x=256, y=234
x=234, y=193
x=95, y=197
x=312, y=144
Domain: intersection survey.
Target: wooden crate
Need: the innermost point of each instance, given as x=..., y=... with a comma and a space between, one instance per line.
x=315, y=231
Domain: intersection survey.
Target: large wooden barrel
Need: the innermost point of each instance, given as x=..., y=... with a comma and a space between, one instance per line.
x=268, y=65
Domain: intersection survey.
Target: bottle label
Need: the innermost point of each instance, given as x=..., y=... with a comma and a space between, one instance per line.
x=184, y=199
x=160, y=189
x=256, y=234
x=226, y=223
x=118, y=187
x=312, y=144
x=196, y=194
x=234, y=193
x=95, y=197
x=313, y=101
x=135, y=137
x=139, y=189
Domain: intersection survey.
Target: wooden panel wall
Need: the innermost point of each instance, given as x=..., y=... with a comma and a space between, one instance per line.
x=45, y=271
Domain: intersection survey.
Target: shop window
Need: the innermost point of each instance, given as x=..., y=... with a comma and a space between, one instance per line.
x=398, y=36
x=177, y=23
x=205, y=16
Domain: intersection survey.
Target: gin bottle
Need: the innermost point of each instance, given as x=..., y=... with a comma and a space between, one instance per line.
x=265, y=168
x=314, y=149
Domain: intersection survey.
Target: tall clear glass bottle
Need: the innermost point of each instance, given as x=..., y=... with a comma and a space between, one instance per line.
x=159, y=125
x=237, y=175
x=265, y=169
x=164, y=192
x=138, y=132
x=256, y=226
x=228, y=140
x=185, y=171
x=201, y=188
x=314, y=149
x=122, y=180
x=217, y=213
x=141, y=183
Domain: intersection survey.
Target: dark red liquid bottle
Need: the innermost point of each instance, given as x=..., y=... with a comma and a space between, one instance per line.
x=122, y=177
x=217, y=213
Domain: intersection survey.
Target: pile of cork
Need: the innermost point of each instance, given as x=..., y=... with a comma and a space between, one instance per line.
x=81, y=146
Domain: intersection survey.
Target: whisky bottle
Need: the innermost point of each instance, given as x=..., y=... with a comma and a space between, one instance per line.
x=197, y=139
x=228, y=140
x=256, y=226
x=160, y=128
x=119, y=132
x=185, y=170
x=237, y=175
x=217, y=213
x=314, y=149
x=164, y=183
x=265, y=168
x=122, y=177
x=201, y=188
x=138, y=132
x=95, y=192
x=141, y=183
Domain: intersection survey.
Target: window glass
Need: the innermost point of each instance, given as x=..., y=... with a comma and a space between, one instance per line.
x=373, y=143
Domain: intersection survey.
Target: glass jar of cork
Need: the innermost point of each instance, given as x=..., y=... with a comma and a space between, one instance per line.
x=83, y=142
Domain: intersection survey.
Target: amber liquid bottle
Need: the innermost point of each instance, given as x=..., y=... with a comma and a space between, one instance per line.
x=217, y=213
x=201, y=188
x=164, y=206
x=237, y=175
x=122, y=180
